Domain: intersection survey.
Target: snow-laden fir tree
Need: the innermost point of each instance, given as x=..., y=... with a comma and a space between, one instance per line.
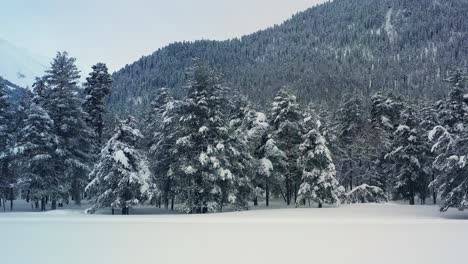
x=272, y=163
x=62, y=101
x=245, y=133
x=286, y=122
x=407, y=153
x=203, y=173
x=248, y=128
x=121, y=177
x=351, y=148
x=385, y=113
x=35, y=152
x=318, y=172
x=451, y=146
x=161, y=130
x=97, y=87
x=7, y=180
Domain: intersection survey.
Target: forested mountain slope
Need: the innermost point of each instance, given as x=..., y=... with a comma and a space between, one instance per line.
x=342, y=46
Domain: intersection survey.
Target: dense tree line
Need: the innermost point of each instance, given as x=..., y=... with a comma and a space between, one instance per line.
x=212, y=148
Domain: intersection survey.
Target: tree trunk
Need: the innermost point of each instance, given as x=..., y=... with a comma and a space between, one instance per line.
x=255, y=201
x=172, y=203
x=54, y=204
x=43, y=204
x=295, y=192
x=411, y=194
x=76, y=192
x=434, y=192
x=12, y=196
x=267, y=192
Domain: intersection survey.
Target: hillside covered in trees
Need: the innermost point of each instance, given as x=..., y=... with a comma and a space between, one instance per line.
x=343, y=46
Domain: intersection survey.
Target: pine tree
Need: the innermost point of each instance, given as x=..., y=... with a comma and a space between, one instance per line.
x=204, y=175
x=97, y=87
x=35, y=150
x=61, y=100
x=450, y=144
x=318, y=172
x=247, y=128
x=7, y=180
x=120, y=178
x=407, y=155
x=161, y=132
x=385, y=116
x=286, y=122
x=351, y=142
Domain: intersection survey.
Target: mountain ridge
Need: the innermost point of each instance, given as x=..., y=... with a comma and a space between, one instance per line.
x=328, y=50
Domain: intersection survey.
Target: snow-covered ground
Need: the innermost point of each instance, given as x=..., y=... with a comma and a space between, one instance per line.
x=366, y=233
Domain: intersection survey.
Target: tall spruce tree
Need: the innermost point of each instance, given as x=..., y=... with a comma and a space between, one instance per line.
x=62, y=101
x=286, y=122
x=204, y=173
x=407, y=155
x=318, y=172
x=121, y=177
x=161, y=130
x=36, y=153
x=451, y=146
x=97, y=87
x=7, y=180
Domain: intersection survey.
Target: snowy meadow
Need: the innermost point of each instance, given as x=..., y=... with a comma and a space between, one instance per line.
x=360, y=233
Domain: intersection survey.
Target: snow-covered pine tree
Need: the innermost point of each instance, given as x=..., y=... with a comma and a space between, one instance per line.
x=451, y=146
x=161, y=131
x=35, y=152
x=61, y=100
x=97, y=87
x=429, y=119
x=385, y=113
x=247, y=128
x=351, y=148
x=204, y=175
x=318, y=172
x=286, y=122
x=7, y=180
x=245, y=133
x=120, y=178
x=407, y=153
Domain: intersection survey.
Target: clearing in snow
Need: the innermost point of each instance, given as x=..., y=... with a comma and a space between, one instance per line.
x=358, y=233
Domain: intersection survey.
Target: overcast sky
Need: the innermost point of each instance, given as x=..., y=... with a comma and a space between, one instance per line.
x=118, y=32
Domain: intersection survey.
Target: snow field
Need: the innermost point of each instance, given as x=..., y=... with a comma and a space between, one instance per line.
x=366, y=233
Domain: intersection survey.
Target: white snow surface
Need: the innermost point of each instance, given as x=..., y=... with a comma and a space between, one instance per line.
x=358, y=233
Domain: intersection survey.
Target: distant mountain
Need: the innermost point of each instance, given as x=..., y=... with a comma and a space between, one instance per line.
x=20, y=66
x=343, y=46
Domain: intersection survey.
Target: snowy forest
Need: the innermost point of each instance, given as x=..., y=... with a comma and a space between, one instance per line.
x=212, y=149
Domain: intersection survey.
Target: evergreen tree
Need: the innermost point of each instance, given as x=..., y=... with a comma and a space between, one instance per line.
x=36, y=154
x=97, y=87
x=352, y=147
x=204, y=172
x=61, y=100
x=161, y=131
x=7, y=180
x=450, y=144
x=120, y=178
x=286, y=123
x=248, y=129
x=318, y=172
x=407, y=155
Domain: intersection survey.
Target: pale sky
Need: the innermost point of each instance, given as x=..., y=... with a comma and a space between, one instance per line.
x=118, y=32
